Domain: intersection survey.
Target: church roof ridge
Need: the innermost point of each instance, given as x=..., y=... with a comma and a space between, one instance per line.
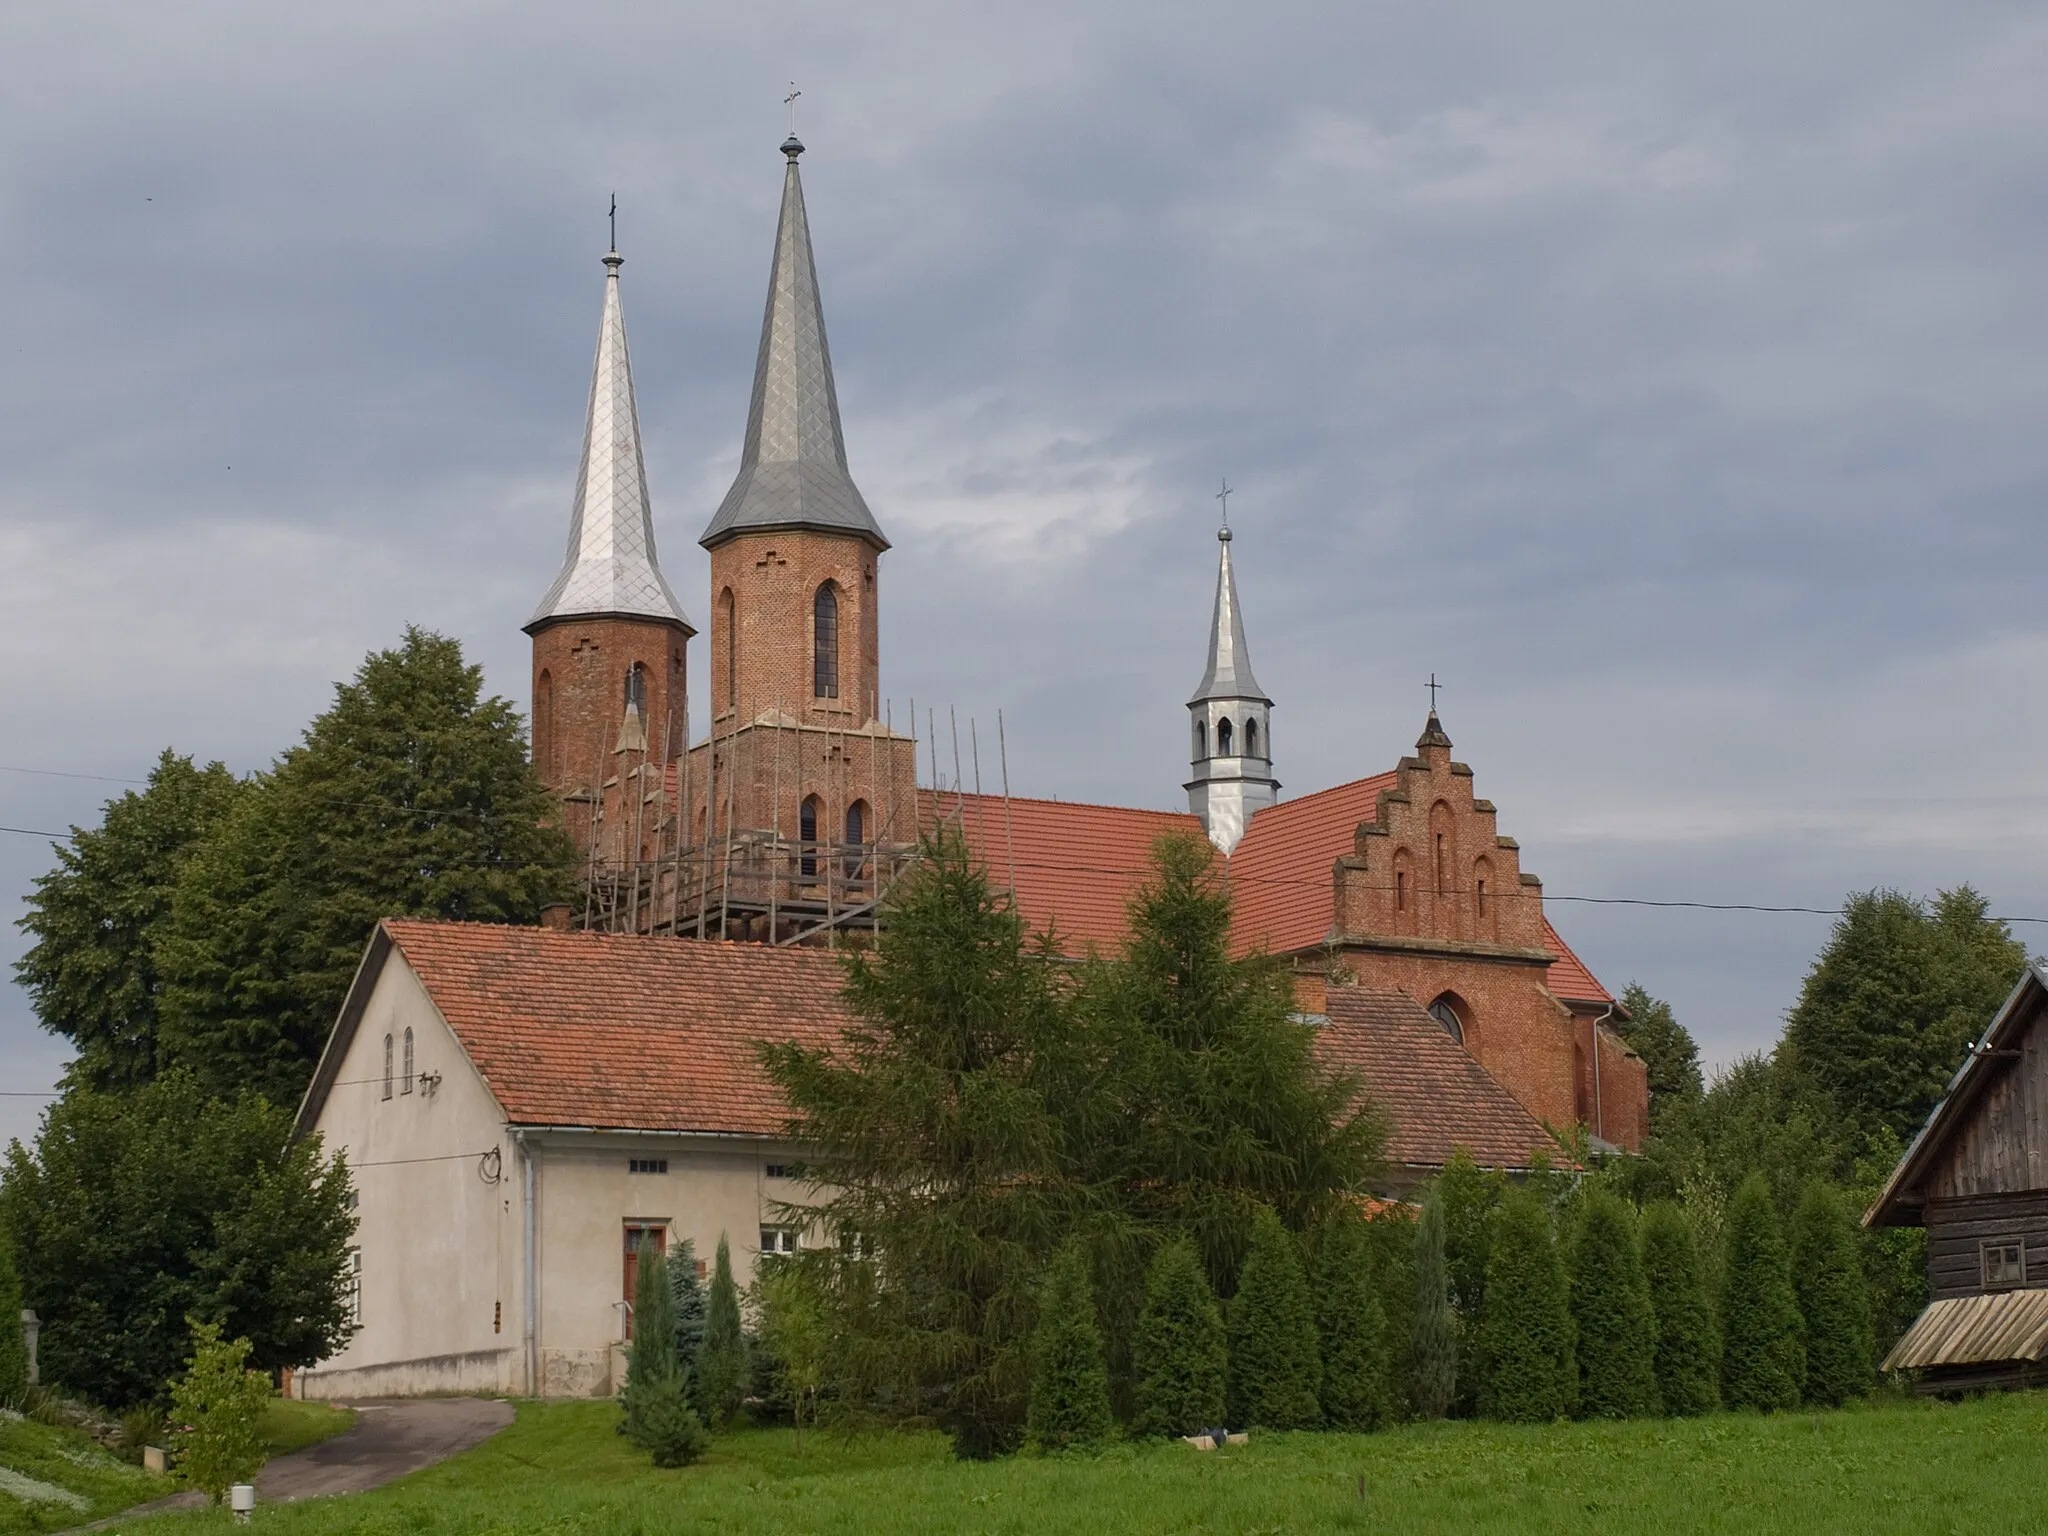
x=610, y=567
x=793, y=470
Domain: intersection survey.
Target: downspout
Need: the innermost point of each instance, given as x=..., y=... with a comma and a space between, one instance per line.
x=1599, y=1117
x=532, y=1329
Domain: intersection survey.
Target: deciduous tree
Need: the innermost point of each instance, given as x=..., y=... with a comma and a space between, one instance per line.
x=1671, y=1057
x=217, y=1405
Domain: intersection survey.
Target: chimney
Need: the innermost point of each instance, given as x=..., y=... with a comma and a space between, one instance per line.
x=555, y=917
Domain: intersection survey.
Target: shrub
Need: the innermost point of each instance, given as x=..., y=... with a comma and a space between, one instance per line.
x=664, y=1423
x=1686, y=1377
x=722, y=1360
x=218, y=1404
x=1273, y=1364
x=1179, y=1354
x=1827, y=1275
x=1617, y=1346
x=1528, y=1320
x=1763, y=1361
x=793, y=1337
x=1069, y=1406
x=1351, y=1326
x=1434, y=1331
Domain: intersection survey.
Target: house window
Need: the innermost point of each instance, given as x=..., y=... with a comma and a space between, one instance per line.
x=2005, y=1265
x=779, y=1242
x=405, y=1082
x=647, y=1165
x=825, y=642
x=638, y=1232
x=387, y=1066
x=352, y=1270
x=776, y=1170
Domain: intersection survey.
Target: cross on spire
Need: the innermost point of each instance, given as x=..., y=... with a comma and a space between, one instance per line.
x=1434, y=685
x=614, y=216
x=789, y=101
x=1224, y=496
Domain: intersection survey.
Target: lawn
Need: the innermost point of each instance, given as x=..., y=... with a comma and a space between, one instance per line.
x=290, y=1425
x=1894, y=1466
x=51, y=1478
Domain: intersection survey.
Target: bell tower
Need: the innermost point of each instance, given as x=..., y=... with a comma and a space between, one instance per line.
x=1232, y=748
x=609, y=706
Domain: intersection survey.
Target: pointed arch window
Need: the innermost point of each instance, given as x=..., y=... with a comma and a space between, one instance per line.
x=544, y=725
x=387, y=1066
x=1445, y=1011
x=732, y=648
x=405, y=1082
x=636, y=690
x=856, y=839
x=1201, y=739
x=1251, y=737
x=825, y=643
x=807, y=835
x=1223, y=738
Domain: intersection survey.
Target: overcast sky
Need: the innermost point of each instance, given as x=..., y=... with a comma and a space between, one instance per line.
x=1668, y=380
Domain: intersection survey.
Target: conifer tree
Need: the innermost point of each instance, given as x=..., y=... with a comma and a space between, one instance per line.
x=1470, y=1197
x=1834, y=1302
x=1687, y=1376
x=1179, y=1354
x=722, y=1359
x=656, y=1402
x=686, y=1300
x=13, y=1347
x=1273, y=1364
x=1433, y=1328
x=1528, y=1320
x=1352, y=1328
x=1069, y=1408
x=1763, y=1359
x=1616, y=1329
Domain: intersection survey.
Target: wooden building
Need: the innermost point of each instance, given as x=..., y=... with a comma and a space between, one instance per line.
x=1976, y=1177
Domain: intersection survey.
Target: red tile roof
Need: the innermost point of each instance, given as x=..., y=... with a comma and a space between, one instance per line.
x=1437, y=1099
x=1077, y=865
x=615, y=1031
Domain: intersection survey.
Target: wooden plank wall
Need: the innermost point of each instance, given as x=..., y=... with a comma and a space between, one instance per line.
x=1956, y=1228
x=2002, y=1146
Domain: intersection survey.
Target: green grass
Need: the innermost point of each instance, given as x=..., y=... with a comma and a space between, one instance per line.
x=51, y=1478
x=292, y=1426
x=1895, y=1466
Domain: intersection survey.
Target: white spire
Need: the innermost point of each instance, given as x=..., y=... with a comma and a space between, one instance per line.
x=610, y=567
x=1232, y=751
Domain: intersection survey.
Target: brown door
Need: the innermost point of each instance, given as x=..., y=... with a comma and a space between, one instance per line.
x=636, y=1234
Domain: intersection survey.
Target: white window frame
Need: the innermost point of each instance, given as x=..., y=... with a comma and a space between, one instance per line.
x=353, y=1268
x=780, y=1242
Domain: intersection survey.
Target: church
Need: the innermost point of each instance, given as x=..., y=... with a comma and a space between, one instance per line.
x=522, y=1107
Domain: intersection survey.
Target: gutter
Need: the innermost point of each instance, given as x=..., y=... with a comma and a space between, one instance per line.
x=1599, y=1109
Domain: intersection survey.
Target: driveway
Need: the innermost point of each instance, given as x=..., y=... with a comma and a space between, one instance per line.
x=390, y=1438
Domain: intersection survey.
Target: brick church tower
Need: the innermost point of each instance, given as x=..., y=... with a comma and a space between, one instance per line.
x=802, y=798
x=609, y=638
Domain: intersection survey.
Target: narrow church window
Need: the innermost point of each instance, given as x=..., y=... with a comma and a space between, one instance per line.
x=1400, y=890
x=405, y=1083
x=732, y=648
x=1443, y=1011
x=1440, y=863
x=856, y=838
x=825, y=643
x=1251, y=738
x=1201, y=739
x=636, y=690
x=387, y=1066
x=807, y=836
x=544, y=726
x=1481, y=893
x=1223, y=738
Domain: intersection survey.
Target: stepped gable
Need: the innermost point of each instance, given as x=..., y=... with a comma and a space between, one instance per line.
x=624, y=1032
x=1437, y=1099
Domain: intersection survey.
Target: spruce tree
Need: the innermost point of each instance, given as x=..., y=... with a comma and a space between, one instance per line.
x=1763, y=1359
x=1069, y=1408
x=13, y=1347
x=656, y=1402
x=1273, y=1364
x=1528, y=1320
x=1179, y=1354
x=1834, y=1302
x=686, y=1300
x=1687, y=1376
x=1352, y=1328
x=722, y=1359
x=1617, y=1346
x=1433, y=1328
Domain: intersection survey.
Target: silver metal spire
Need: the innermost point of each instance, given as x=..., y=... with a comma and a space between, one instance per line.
x=610, y=567
x=793, y=465
x=1230, y=659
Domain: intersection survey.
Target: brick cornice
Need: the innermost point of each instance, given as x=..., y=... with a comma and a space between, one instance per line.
x=1461, y=949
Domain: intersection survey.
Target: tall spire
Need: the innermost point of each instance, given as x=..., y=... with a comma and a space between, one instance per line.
x=610, y=567
x=793, y=464
x=1231, y=715
x=1230, y=659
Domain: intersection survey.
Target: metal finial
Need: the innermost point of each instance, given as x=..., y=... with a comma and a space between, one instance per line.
x=1223, y=496
x=789, y=101
x=614, y=217
x=1434, y=685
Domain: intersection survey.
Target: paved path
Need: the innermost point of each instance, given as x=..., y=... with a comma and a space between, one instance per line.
x=390, y=1438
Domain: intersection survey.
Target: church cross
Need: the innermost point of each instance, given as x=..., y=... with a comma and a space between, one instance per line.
x=615, y=221
x=789, y=101
x=1433, y=686
x=1224, y=496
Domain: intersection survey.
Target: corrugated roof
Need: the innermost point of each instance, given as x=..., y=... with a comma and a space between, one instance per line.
x=1436, y=1097
x=1975, y=1330
x=1078, y=865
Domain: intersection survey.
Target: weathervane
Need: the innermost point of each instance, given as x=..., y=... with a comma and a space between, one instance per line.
x=1433, y=686
x=789, y=101
x=1224, y=497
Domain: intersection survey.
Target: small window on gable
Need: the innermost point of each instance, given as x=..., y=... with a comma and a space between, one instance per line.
x=1251, y=738
x=2005, y=1264
x=405, y=1082
x=1223, y=738
x=387, y=1066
